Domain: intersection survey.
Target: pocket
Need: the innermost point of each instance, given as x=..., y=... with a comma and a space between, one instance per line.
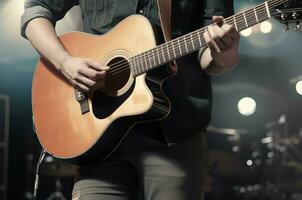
x=98, y=13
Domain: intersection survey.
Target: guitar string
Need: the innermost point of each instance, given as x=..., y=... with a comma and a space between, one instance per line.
x=193, y=39
x=126, y=68
x=259, y=15
x=168, y=46
x=248, y=14
x=187, y=43
x=182, y=42
x=241, y=24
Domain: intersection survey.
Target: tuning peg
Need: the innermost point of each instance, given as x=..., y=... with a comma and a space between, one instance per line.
x=286, y=27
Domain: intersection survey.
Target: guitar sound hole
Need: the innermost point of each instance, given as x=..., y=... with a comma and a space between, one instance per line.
x=118, y=76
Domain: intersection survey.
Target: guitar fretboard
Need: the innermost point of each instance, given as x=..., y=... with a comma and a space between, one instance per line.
x=193, y=41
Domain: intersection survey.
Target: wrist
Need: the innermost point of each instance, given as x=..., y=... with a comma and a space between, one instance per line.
x=62, y=59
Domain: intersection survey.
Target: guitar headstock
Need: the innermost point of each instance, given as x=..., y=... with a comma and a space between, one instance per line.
x=289, y=17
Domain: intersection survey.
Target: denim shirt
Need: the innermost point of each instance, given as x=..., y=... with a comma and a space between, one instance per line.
x=193, y=90
x=99, y=16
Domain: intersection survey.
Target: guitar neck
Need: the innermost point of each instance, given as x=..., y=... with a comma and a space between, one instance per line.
x=193, y=41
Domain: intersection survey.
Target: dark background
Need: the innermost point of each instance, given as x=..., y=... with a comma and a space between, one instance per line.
x=266, y=65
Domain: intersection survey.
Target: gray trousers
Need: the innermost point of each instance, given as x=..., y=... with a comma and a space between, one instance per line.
x=146, y=169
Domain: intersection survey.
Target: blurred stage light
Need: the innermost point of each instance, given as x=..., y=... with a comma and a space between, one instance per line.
x=249, y=163
x=49, y=159
x=267, y=140
x=246, y=106
x=235, y=148
x=266, y=27
x=270, y=154
x=299, y=87
x=247, y=32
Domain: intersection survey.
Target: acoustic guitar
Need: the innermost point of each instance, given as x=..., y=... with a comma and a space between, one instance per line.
x=75, y=126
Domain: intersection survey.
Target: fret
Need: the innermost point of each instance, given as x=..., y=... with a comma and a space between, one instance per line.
x=142, y=61
x=169, y=56
x=137, y=68
x=250, y=19
x=184, y=39
x=173, y=49
x=146, y=62
x=234, y=20
x=142, y=68
x=149, y=60
x=198, y=35
x=153, y=56
x=239, y=20
x=133, y=66
x=192, y=41
x=255, y=12
x=158, y=56
x=163, y=53
x=267, y=10
x=203, y=42
x=179, y=47
x=262, y=13
x=246, y=24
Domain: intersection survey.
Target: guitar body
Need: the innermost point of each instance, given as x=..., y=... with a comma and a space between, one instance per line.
x=67, y=133
x=72, y=126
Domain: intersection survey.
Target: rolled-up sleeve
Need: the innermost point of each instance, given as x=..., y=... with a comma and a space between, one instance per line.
x=53, y=10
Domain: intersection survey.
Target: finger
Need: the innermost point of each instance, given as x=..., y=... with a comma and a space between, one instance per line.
x=215, y=37
x=95, y=65
x=81, y=86
x=230, y=30
x=210, y=42
x=99, y=84
x=232, y=35
x=224, y=36
x=85, y=81
x=92, y=73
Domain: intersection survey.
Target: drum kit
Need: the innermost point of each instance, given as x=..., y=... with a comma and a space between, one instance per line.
x=247, y=166
x=256, y=167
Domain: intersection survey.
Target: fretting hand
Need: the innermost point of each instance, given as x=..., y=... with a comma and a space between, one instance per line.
x=223, y=43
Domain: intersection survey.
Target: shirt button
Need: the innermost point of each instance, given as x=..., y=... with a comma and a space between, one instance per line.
x=141, y=12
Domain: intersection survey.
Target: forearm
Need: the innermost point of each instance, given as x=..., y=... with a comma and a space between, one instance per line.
x=41, y=33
